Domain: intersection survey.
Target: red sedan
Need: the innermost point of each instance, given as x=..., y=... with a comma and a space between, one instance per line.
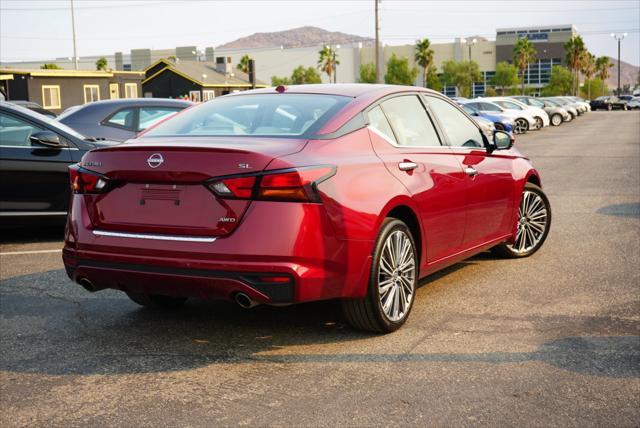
x=303, y=193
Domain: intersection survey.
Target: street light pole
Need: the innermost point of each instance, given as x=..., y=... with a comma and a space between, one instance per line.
x=73, y=29
x=470, y=43
x=619, y=38
x=377, y=42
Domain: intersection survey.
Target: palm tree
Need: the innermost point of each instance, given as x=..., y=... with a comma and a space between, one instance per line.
x=575, y=49
x=524, y=53
x=243, y=65
x=589, y=69
x=327, y=61
x=424, y=58
x=603, y=64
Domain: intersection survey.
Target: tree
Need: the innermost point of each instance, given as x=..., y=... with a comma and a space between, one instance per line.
x=399, y=73
x=424, y=58
x=490, y=92
x=588, y=69
x=243, y=65
x=596, y=86
x=574, y=48
x=327, y=61
x=560, y=82
x=50, y=66
x=101, y=64
x=506, y=76
x=301, y=76
x=460, y=74
x=433, y=81
x=367, y=73
x=280, y=81
x=603, y=64
x=524, y=53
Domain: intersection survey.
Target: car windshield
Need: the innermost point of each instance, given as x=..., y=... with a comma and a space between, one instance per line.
x=469, y=110
x=266, y=115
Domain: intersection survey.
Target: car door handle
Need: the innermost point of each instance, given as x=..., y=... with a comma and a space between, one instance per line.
x=407, y=166
x=470, y=171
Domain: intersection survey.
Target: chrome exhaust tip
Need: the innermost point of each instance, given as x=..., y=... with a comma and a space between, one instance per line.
x=245, y=301
x=87, y=285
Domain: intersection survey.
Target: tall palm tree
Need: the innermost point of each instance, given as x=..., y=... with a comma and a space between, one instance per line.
x=327, y=61
x=603, y=64
x=243, y=65
x=588, y=69
x=575, y=49
x=424, y=57
x=524, y=53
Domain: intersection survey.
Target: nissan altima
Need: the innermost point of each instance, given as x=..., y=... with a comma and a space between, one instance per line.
x=302, y=193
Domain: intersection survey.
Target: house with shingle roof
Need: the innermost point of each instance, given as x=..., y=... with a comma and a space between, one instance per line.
x=195, y=80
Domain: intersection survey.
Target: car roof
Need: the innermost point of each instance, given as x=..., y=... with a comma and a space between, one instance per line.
x=139, y=101
x=98, y=110
x=353, y=90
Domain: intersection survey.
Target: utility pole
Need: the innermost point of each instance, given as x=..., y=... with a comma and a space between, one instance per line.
x=377, y=43
x=73, y=29
x=619, y=38
x=469, y=44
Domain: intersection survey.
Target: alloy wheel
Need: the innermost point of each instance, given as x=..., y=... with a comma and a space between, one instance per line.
x=539, y=123
x=521, y=126
x=532, y=222
x=396, y=276
x=556, y=120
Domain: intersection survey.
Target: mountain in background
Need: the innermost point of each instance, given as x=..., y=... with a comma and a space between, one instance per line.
x=295, y=38
x=628, y=74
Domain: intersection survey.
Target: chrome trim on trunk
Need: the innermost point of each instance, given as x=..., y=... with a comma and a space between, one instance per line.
x=183, y=238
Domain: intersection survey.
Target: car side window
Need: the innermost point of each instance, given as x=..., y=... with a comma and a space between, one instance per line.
x=508, y=105
x=410, y=123
x=490, y=107
x=122, y=119
x=536, y=103
x=460, y=131
x=151, y=115
x=379, y=123
x=15, y=132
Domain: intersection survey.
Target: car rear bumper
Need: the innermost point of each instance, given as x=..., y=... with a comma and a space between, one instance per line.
x=293, y=243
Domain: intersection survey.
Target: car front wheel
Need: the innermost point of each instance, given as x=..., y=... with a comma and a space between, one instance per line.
x=539, y=123
x=534, y=220
x=556, y=119
x=392, y=282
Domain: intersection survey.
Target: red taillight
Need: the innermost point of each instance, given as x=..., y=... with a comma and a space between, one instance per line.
x=294, y=185
x=85, y=181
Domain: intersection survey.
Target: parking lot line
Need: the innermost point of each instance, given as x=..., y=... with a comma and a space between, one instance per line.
x=16, y=253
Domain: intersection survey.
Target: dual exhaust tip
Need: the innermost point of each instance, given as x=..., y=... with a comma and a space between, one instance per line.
x=242, y=299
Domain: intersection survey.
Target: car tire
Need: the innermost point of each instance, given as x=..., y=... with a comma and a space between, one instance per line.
x=521, y=126
x=156, y=300
x=380, y=311
x=530, y=234
x=539, y=123
x=556, y=119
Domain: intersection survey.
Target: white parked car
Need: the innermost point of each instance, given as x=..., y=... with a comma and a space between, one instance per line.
x=634, y=103
x=541, y=118
x=523, y=120
x=579, y=102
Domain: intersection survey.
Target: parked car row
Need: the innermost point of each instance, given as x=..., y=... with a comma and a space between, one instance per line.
x=612, y=102
x=520, y=114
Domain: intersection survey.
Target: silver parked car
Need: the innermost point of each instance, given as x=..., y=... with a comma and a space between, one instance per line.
x=570, y=108
x=557, y=114
x=119, y=120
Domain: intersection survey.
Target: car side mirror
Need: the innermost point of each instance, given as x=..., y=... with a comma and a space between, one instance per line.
x=502, y=140
x=47, y=139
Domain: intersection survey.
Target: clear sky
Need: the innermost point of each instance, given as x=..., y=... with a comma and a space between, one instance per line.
x=32, y=30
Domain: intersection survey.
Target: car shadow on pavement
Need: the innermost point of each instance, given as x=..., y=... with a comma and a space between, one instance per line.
x=49, y=325
x=621, y=210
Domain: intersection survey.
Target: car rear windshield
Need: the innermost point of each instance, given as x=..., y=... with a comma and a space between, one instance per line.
x=264, y=115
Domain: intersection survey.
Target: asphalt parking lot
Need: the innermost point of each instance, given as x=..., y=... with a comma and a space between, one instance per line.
x=552, y=340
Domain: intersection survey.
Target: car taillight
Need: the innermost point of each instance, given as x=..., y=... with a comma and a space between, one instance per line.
x=292, y=185
x=85, y=181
